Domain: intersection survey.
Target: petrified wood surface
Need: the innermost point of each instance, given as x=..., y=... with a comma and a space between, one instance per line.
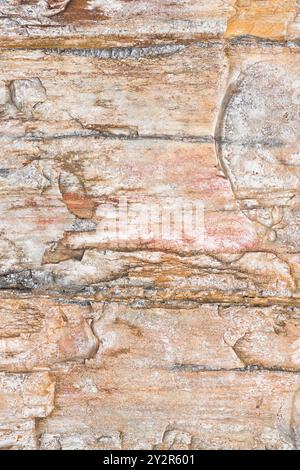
x=131, y=342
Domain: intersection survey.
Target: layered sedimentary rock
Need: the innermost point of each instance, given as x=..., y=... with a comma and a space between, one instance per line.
x=118, y=118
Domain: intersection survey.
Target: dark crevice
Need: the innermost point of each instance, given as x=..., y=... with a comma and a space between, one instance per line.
x=246, y=369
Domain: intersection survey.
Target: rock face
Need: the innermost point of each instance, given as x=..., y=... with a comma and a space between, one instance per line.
x=150, y=224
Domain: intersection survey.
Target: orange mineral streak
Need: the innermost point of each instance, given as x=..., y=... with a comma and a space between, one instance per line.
x=263, y=19
x=81, y=206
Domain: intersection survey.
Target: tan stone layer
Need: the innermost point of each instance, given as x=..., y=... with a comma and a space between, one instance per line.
x=117, y=23
x=148, y=378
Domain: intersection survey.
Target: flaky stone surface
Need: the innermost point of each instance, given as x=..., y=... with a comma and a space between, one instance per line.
x=121, y=337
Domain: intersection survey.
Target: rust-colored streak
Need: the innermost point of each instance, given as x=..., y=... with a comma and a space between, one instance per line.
x=77, y=11
x=81, y=206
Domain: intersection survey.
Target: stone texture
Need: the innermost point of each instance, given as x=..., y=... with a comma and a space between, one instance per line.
x=115, y=337
x=151, y=406
x=23, y=398
x=263, y=19
x=111, y=22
